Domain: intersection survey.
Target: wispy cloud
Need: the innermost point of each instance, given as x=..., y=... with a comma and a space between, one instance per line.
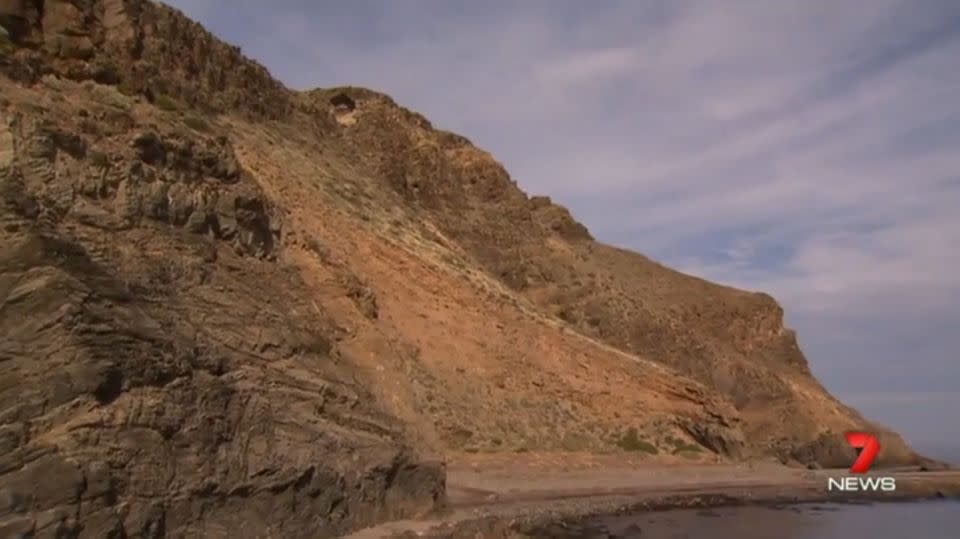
x=588, y=67
x=809, y=148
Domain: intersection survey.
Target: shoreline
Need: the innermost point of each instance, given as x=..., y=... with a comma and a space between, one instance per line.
x=501, y=504
x=678, y=502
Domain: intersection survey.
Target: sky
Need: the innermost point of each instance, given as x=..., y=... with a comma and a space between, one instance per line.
x=806, y=148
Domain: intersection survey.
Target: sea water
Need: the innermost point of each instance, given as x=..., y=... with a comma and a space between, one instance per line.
x=927, y=520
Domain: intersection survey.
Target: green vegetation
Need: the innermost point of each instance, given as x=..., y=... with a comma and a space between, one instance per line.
x=688, y=448
x=460, y=436
x=99, y=159
x=166, y=103
x=681, y=447
x=127, y=88
x=631, y=442
x=6, y=44
x=575, y=442
x=196, y=123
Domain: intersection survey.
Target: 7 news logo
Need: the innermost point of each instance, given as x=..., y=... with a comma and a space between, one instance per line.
x=867, y=448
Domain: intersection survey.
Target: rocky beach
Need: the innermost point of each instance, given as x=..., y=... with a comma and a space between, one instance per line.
x=547, y=501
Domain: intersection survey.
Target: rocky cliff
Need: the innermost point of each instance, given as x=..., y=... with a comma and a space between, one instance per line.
x=228, y=308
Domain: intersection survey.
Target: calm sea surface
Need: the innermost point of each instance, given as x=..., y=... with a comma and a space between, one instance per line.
x=926, y=520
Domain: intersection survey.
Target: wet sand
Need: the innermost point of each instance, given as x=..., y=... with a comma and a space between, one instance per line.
x=503, y=501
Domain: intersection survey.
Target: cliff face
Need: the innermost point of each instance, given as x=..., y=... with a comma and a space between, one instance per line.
x=162, y=372
x=730, y=341
x=142, y=48
x=227, y=307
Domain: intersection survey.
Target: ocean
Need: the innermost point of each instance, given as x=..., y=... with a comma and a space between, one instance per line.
x=928, y=520
x=948, y=453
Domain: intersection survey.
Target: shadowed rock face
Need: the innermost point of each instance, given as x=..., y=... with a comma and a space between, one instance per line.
x=229, y=308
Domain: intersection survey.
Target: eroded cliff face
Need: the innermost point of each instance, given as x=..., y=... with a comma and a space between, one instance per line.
x=163, y=374
x=731, y=341
x=232, y=309
x=142, y=48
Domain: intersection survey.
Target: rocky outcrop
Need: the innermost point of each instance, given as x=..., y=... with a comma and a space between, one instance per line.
x=125, y=418
x=142, y=47
x=163, y=374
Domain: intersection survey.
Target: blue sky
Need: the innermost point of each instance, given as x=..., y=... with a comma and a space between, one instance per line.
x=807, y=148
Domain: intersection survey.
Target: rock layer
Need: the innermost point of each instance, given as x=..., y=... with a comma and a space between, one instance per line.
x=162, y=373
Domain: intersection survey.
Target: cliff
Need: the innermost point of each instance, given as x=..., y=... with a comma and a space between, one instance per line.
x=228, y=307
